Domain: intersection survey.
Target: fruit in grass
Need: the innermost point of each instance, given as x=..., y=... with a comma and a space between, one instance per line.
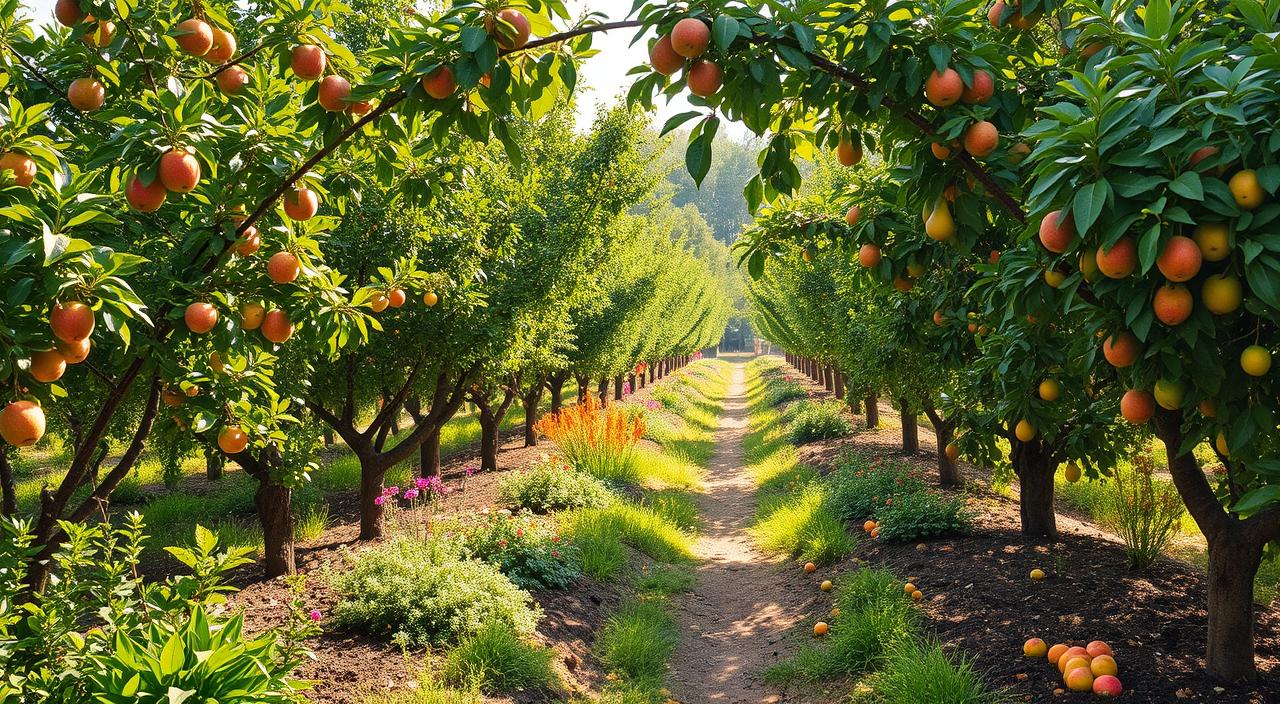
x=232, y=440
x=664, y=58
x=981, y=138
x=179, y=171
x=1255, y=360
x=22, y=423
x=868, y=525
x=513, y=38
x=71, y=321
x=1121, y=349
x=194, y=36
x=333, y=92
x=224, y=47
x=1180, y=259
x=68, y=12
x=308, y=61
x=1214, y=241
x=1119, y=260
x=301, y=204
x=917, y=595
x=1246, y=190
x=200, y=317
x=21, y=168
x=981, y=90
x=1222, y=294
x=825, y=586
x=47, y=366
x=440, y=84
x=277, y=327
x=1107, y=686
x=849, y=153
x=232, y=79
x=1025, y=431
x=868, y=255
x=704, y=78
x=1035, y=648
x=810, y=568
x=690, y=37
x=908, y=588
x=86, y=94
x=943, y=89
x=73, y=352
x=1103, y=664
x=1057, y=233
x=820, y=628
x=283, y=267
x=1172, y=304
x=1137, y=406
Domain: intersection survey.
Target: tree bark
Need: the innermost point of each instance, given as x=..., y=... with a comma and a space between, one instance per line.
x=272, y=500
x=530, y=402
x=618, y=381
x=582, y=389
x=602, y=390
x=873, y=410
x=489, y=429
x=943, y=432
x=213, y=464
x=371, y=512
x=556, y=386
x=839, y=382
x=910, y=432
x=829, y=378
x=1034, y=465
x=429, y=455
x=328, y=437
x=8, y=488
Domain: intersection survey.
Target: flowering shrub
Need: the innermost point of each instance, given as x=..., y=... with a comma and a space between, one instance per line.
x=528, y=549
x=915, y=515
x=551, y=484
x=819, y=421
x=858, y=487
x=1147, y=511
x=595, y=439
x=420, y=593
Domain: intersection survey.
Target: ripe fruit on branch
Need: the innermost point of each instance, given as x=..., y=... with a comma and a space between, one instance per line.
x=1180, y=260
x=1221, y=294
x=1054, y=278
x=232, y=440
x=21, y=168
x=664, y=58
x=984, y=86
x=73, y=352
x=509, y=38
x=1119, y=260
x=439, y=84
x=1169, y=394
x=101, y=35
x=86, y=94
x=48, y=366
x=943, y=89
x=1024, y=22
x=1214, y=241
x=248, y=243
x=22, y=423
x=224, y=47
x=179, y=170
x=194, y=36
x=1172, y=304
x=396, y=297
x=848, y=152
x=942, y=151
x=940, y=225
x=1071, y=472
x=232, y=79
x=283, y=267
x=145, y=199
x=853, y=215
x=430, y=298
x=1121, y=349
x=981, y=138
x=71, y=321
x=993, y=14
x=1246, y=190
x=200, y=317
x=277, y=327
x=1025, y=431
x=938, y=318
x=301, y=204
x=251, y=315
x=333, y=92
x=868, y=255
x=1201, y=154
x=704, y=78
x=68, y=12
x=1050, y=390
x=1057, y=233
x=1018, y=152
x=378, y=301
x=308, y=61
x=1255, y=360
x=951, y=451
x=690, y=37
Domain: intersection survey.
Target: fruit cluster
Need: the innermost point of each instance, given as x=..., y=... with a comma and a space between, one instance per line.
x=1089, y=668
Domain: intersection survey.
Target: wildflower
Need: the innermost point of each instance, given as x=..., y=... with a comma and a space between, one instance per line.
x=411, y=494
x=502, y=543
x=379, y=500
x=484, y=511
x=421, y=483
x=391, y=491
x=469, y=471
x=315, y=615
x=519, y=532
x=555, y=553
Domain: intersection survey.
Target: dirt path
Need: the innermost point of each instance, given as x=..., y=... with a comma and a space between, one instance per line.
x=733, y=622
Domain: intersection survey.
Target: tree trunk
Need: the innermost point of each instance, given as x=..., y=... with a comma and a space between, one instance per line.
x=910, y=432
x=631, y=379
x=530, y=401
x=873, y=410
x=273, y=503
x=582, y=389
x=8, y=489
x=490, y=425
x=640, y=379
x=602, y=389
x=214, y=462
x=839, y=380
x=651, y=368
x=328, y=437
x=943, y=432
x=829, y=378
x=371, y=512
x=557, y=392
x=1034, y=467
x=429, y=455
x=617, y=387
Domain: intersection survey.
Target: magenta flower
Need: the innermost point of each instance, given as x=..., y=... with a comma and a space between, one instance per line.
x=626, y=388
x=555, y=553
x=653, y=405
x=469, y=470
x=421, y=482
x=411, y=494
x=391, y=491
x=315, y=615
x=379, y=500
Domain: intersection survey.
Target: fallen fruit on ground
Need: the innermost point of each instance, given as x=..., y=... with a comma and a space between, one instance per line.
x=1056, y=652
x=1037, y=574
x=810, y=568
x=1103, y=664
x=820, y=628
x=1107, y=686
x=825, y=586
x=1079, y=679
x=1035, y=648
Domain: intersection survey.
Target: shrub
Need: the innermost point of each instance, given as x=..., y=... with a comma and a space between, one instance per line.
x=528, y=550
x=1147, y=511
x=819, y=421
x=418, y=594
x=603, y=557
x=778, y=393
x=921, y=514
x=494, y=660
x=596, y=439
x=552, y=485
x=858, y=488
x=922, y=672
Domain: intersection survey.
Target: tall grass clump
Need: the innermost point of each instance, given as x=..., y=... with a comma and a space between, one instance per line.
x=919, y=671
x=640, y=527
x=637, y=641
x=799, y=524
x=1147, y=511
x=597, y=440
x=494, y=660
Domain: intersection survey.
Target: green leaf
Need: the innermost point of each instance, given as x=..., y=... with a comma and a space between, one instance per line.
x=755, y=265
x=697, y=157
x=1088, y=204
x=676, y=120
x=1188, y=185
x=724, y=29
x=173, y=656
x=1257, y=499
x=940, y=55
x=1157, y=19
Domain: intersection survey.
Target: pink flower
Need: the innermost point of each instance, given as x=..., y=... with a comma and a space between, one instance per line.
x=555, y=553
x=315, y=615
x=421, y=483
x=519, y=532
x=379, y=500
x=391, y=491
x=411, y=494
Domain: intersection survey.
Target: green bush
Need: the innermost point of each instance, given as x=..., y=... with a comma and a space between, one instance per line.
x=418, y=594
x=859, y=487
x=495, y=660
x=819, y=421
x=922, y=514
x=780, y=392
x=552, y=485
x=799, y=523
x=527, y=549
x=1147, y=511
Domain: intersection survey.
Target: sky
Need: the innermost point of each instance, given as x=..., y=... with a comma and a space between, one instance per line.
x=602, y=79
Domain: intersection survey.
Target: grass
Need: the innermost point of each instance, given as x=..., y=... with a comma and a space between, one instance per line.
x=494, y=660
x=665, y=468
x=923, y=672
x=665, y=580
x=636, y=643
x=678, y=507
x=640, y=527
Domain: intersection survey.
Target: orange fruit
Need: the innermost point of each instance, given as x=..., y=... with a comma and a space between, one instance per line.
x=820, y=628
x=1035, y=648
x=810, y=568
x=825, y=586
